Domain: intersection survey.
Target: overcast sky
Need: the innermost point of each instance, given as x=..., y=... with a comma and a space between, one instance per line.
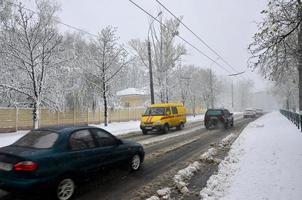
x=226, y=25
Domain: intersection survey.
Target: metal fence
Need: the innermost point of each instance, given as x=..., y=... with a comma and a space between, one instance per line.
x=293, y=117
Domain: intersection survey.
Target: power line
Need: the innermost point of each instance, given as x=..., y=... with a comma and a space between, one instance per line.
x=57, y=21
x=201, y=40
x=72, y=27
x=202, y=53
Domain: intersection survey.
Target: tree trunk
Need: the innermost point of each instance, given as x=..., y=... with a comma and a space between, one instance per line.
x=36, y=115
x=105, y=109
x=104, y=96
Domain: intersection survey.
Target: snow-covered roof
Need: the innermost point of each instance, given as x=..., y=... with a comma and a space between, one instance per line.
x=131, y=91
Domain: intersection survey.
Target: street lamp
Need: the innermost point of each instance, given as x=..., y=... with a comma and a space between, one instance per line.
x=150, y=61
x=237, y=74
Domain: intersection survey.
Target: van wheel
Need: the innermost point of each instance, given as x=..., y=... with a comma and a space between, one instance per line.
x=165, y=129
x=180, y=126
x=65, y=189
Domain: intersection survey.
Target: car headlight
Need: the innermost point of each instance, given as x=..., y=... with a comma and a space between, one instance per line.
x=157, y=122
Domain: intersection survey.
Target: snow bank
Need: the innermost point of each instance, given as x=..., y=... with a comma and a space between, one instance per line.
x=153, y=198
x=209, y=156
x=227, y=140
x=164, y=193
x=265, y=162
x=181, y=179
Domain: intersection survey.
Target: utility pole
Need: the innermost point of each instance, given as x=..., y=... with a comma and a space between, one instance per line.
x=233, y=87
x=232, y=95
x=150, y=62
x=150, y=73
x=211, y=89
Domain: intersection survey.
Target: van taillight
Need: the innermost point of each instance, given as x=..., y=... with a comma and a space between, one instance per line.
x=27, y=166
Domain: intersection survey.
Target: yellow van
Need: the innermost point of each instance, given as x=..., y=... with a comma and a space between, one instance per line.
x=162, y=117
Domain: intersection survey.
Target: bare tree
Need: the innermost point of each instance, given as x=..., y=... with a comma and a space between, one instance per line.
x=277, y=47
x=107, y=59
x=165, y=55
x=30, y=48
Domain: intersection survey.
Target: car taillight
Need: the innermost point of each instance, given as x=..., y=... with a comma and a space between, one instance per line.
x=27, y=166
x=221, y=118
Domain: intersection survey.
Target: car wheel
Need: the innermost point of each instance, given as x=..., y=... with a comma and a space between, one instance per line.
x=166, y=128
x=232, y=125
x=135, y=162
x=145, y=132
x=226, y=125
x=180, y=126
x=65, y=189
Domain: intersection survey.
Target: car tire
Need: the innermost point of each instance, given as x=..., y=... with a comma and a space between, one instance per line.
x=226, y=125
x=145, y=132
x=65, y=188
x=165, y=129
x=180, y=126
x=135, y=162
x=207, y=126
x=232, y=125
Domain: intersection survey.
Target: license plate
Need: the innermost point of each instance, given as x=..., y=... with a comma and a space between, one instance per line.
x=148, y=128
x=213, y=117
x=6, y=166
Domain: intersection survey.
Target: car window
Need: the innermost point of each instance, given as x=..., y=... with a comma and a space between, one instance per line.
x=38, y=140
x=153, y=111
x=104, y=139
x=174, y=110
x=214, y=112
x=168, y=111
x=81, y=140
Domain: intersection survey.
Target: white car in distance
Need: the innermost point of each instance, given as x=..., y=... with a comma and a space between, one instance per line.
x=249, y=113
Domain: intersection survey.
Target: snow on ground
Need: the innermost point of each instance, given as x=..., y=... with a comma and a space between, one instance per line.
x=119, y=128
x=116, y=128
x=9, y=138
x=265, y=162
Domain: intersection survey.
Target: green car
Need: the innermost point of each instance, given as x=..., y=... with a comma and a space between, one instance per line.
x=55, y=158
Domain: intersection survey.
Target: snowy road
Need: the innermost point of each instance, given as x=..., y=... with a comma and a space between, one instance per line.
x=163, y=160
x=165, y=155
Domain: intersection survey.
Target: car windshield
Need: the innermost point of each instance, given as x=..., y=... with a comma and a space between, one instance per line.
x=38, y=140
x=159, y=111
x=214, y=112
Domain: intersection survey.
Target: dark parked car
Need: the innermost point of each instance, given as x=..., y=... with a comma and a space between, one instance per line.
x=55, y=158
x=221, y=118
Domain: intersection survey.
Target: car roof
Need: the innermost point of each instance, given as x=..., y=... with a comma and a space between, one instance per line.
x=60, y=129
x=217, y=109
x=165, y=105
